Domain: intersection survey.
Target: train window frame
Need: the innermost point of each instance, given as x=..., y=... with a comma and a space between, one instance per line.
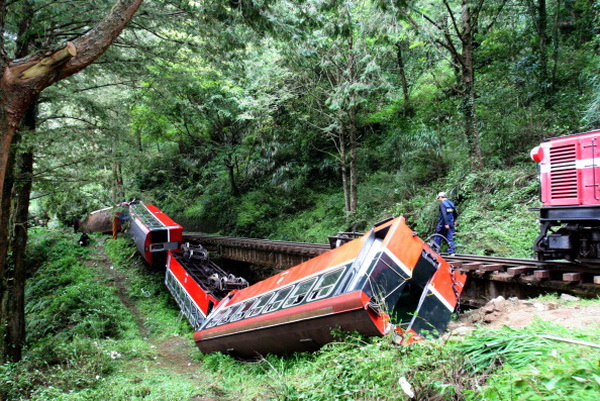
x=257, y=308
x=242, y=310
x=215, y=321
x=275, y=303
x=317, y=292
x=227, y=313
x=295, y=297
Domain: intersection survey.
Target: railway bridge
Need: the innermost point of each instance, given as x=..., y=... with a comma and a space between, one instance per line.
x=277, y=254
x=489, y=277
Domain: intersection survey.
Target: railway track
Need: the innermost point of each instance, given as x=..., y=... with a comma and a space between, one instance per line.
x=489, y=276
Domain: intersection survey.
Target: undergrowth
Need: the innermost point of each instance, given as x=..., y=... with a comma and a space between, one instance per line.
x=85, y=344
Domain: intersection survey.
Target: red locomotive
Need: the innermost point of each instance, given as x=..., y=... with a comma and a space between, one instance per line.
x=153, y=232
x=387, y=280
x=570, y=193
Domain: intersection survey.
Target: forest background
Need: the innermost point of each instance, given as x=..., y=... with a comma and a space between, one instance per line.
x=297, y=119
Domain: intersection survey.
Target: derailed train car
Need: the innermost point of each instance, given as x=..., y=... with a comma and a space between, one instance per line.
x=153, y=232
x=387, y=280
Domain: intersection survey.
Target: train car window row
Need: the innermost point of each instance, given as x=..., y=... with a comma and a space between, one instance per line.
x=185, y=302
x=299, y=293
x=304, y=291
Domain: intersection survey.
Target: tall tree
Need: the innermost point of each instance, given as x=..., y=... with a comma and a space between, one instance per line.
x=21, y=82
x=338, y=72
x=456, y=29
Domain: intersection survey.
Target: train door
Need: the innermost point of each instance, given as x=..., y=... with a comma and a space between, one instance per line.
x=589, y=167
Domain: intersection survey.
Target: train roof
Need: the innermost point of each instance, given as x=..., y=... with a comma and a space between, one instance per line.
x=341, y=256
x=571, y=136
x=152, y=217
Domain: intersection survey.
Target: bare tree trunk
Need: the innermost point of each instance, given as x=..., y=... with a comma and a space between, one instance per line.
x=400, y=45
x=230, y=163
x=353, y=162
x=344, y=166
x=539, y=17
x=468, y=87
x=353, y=142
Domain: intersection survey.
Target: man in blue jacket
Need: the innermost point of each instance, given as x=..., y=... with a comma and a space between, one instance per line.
x=446, y=223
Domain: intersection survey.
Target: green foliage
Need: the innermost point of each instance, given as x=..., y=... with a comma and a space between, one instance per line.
x=146, y=289
x=523, y=365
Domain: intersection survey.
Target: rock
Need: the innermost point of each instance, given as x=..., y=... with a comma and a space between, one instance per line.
x=552, y=305
x=495, y=304
x=567, y=297
x=490, y=318
x=463, y=331
x=489, y=308
x=540, y=307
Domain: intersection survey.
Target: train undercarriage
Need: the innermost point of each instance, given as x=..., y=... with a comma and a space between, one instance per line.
x=569, y=232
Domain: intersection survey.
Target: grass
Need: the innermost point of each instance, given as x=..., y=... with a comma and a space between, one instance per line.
x=95, y=335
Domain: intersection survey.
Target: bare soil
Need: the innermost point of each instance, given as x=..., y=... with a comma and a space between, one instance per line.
x=567, y=311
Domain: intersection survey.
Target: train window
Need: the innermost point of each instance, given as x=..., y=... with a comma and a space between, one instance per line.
x=259, y=305
x=214, y=321
x=242, y=310
x=325, y=285
x=230, y=312
x=157, y=247
x=299, y=293
x=278, y=299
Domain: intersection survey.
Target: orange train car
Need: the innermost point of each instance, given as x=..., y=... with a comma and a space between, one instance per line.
x=387, y=280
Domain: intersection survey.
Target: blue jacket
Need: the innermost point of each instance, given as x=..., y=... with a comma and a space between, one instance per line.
x=448, y=213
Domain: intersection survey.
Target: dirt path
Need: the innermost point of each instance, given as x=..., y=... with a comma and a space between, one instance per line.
x=173, y=356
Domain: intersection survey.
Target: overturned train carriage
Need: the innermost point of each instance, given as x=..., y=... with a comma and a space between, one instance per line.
x=386, y=280
x=154, y=233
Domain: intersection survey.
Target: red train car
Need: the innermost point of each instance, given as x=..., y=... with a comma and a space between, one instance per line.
x=197, y=285
x=386, y=280
x=569, y=168
x=154, y=233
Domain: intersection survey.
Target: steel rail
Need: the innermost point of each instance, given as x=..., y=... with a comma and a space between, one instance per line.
x=529, y=274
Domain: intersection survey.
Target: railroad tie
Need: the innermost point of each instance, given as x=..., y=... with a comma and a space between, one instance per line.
x=572, y=277
x=468, y=267
x=541, y=274
x=517, y=271
x=491, y=267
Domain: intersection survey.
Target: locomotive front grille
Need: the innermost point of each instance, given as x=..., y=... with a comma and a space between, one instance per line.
x=563, y=172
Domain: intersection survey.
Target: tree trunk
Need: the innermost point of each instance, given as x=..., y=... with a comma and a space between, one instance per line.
x=353, y=142
x=5, y=294
x=15, y=306
x=468, y=88
x=21, y=82
x=353, y=162
x=230, y=163
x=341, y=145
x=402, y=68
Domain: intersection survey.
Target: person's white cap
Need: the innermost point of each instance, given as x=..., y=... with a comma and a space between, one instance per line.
x=441, y=195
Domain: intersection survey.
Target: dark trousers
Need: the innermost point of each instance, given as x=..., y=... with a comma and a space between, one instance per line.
x=446, y=232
